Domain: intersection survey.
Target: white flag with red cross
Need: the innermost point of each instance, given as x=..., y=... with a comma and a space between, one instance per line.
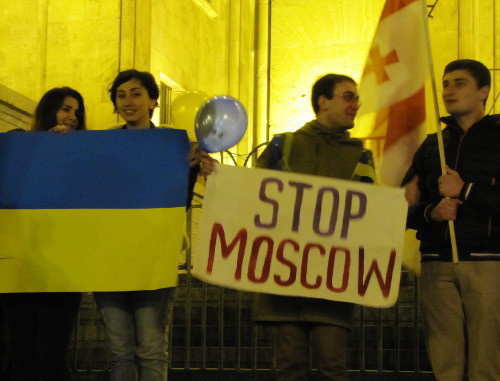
x=392, y=89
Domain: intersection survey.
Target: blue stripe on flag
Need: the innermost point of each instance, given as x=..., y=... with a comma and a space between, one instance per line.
x=114, y=169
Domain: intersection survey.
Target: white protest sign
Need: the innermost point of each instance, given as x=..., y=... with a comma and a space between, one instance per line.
x=292, y=234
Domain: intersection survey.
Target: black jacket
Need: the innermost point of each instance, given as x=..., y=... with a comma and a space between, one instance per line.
x=475, y=155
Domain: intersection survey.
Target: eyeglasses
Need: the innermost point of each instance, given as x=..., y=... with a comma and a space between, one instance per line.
x=350, y=97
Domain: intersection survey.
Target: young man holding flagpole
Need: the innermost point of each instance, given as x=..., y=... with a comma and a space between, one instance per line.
x=460, y=300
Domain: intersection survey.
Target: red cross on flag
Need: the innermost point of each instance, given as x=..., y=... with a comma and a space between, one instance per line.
x=392, y=89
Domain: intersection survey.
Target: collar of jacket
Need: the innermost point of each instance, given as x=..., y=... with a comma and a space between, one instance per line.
x=151, y=125
x=450, y=121
x=314, y=128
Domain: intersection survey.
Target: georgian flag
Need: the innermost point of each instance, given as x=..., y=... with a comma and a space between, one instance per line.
x=392, y=89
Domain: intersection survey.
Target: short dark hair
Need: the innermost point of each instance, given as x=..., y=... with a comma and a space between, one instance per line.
x=45, y=116
x=144, y=77
x=475, y=68
x=325, y=86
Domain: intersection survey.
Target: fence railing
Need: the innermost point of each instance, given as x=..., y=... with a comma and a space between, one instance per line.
x=212, y=331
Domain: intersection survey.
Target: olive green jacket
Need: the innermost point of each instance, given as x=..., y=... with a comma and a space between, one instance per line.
x=315, y=150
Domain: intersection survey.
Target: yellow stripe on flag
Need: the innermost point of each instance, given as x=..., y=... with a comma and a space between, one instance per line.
x=49, y=250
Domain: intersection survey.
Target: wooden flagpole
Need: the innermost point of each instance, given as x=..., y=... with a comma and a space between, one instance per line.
x=442, y=158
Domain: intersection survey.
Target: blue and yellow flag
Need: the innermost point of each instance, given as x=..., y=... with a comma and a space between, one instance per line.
x=92, y=210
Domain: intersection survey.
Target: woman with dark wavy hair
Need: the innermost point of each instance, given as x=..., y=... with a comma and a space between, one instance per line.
x=40, y=324
x=60, y=107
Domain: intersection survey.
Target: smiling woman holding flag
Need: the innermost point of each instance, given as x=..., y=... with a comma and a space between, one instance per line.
x=136, y=322
x=40, y=323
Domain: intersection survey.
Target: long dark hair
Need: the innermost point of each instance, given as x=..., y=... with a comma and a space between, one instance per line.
x=45, y=113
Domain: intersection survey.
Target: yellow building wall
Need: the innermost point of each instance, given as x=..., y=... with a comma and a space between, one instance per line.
x=312, y=38
x=467, y=29
x=48, y=43
x=21, y=48
x=189, y=44
x=219, y=47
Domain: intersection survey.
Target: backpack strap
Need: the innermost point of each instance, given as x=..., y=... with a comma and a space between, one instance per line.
x=287, y=148
x=275, y=154
x=279, y=155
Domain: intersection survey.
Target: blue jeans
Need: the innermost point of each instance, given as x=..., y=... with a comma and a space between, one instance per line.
x=136, y=324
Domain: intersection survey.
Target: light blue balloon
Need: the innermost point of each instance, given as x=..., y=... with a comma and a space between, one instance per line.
x=220, y=123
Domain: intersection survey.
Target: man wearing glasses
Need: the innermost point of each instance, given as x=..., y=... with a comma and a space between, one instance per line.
x=321, y=147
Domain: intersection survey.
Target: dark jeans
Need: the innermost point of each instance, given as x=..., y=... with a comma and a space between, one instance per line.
x=4, y=348
x=328, y=344
x=39, y=326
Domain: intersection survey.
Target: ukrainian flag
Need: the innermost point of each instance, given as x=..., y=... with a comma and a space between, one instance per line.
x=92, y=210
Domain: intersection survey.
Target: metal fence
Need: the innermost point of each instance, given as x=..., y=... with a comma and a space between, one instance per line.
x=212, y=332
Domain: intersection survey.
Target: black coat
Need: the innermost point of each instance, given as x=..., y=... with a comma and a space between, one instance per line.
x=475, y=155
